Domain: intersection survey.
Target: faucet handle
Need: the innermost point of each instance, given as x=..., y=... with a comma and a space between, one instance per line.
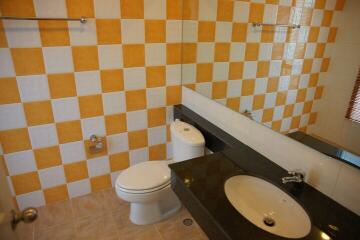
x=297, y=173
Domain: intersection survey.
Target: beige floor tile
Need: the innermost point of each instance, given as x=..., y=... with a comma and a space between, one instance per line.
x=96, y=228
x=113, y=202
x=88, y=206
x=54, y=214
x=58, y=232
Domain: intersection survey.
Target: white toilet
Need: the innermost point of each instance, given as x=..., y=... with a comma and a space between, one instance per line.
x=147, y=185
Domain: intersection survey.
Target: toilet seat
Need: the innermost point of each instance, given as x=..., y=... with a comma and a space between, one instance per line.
x=144, y=177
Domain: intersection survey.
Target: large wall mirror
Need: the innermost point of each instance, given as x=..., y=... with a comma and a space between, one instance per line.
x=289, y=65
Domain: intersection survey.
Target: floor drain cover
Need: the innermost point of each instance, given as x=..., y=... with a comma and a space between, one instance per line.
x=187, y=221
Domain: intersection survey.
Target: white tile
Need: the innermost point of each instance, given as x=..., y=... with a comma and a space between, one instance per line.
x=6, y=66
x=155, y=97
x=113, y=102
x=330, y=4
x=169, y=114
x=114, y=176
x=169, y=151
x=72, y=152
x=51, y=177
x=205, y=52
x=280, y=34
x=260, y=85
x=136, y=120
x=12, y=116
x=79, y=188
x=289, y=50
x=83, y=34
x=107, y=8
x=303, y=33
x=270, y=13
x=58, y=59
x=20, y=162
x=157, y=135
x=257, y=115
x=220, y=71
x=188, y=73
x=57, y=8
x=253, y=34
x=304, y=80
x=250, y=69
x=173, y=31
x=317, y=17
x=205, y=89
x=297, y=66
x=87, y=83
x=95, y=125
x=275, y=68
x=291, y=97
x=234, y=88
x=155, y=9
x=33, y=88
x=285, y=124
x=310, y=94
x=298, y=108
x=155, y=54
x=132, y=31
x=223, y=32
x=11, y=187
x=110, y=56
x=284, y=82
x=32, y=199
x=65, y=109
x=241, y=11
x=190, y=31
x=310, y=50
x=265, y=51
x=117, y=143
x=173, y=75
x=98, y=166
x=304, y=120
x=246, y=103
x=43, y=136
x=22, y=33
x=278, y=113
x=207, y=10
x=237, y=52
x=316, y=66
x=138, y=156
x=134, y=78
x=270, y=100
x=323, y=34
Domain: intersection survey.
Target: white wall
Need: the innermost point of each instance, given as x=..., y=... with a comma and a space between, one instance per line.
x=339, y=82
x=332, y=177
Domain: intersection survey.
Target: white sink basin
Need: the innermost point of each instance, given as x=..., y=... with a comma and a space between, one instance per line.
x=268, y=207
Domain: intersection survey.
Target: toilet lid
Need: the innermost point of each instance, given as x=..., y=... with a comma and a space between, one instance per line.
x=144, y=176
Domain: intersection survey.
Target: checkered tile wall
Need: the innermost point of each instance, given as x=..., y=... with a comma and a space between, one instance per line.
x=274, y=72
x=116, y=76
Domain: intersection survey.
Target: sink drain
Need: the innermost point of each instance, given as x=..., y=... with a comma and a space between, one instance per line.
x=268, y=221
x=187, y=221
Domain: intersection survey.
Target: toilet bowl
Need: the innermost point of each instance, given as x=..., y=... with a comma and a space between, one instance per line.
x=147, y=185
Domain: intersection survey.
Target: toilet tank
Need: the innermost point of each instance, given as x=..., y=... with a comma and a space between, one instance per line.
x=187, y=141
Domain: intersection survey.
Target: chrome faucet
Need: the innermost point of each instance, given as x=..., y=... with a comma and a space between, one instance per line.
x=296, y=177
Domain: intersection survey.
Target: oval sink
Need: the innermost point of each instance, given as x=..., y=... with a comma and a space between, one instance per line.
x=268, y=207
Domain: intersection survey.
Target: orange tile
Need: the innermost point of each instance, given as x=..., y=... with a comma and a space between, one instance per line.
x=155, y=31
x=112, y=80
x=157, y=152
x=219, y=90
x=276, y=125
x=299, y=50
x=313, y=34
x=225, y=10
x=294, y=82
x=174, y=9
x=135, y=100
x=108, y=31
x=9, y=92
x=318, y=92
x=327, y=18
x=115, y=123
x=340, y=5
x=206, y=31
x=76, y=171
x=85, y=58
x=314, y=78
x=155, y=76
x=222, y=52
x=62, y=85
x=138, y=139
x=286, y=67
x=258, y=102
x=248, y=87
x=3, y=165
x=320, y=49
x=3, y=41
x=56, y=194
x=288, y=111
x=204, y=72
x=168, y=134
x=281, y=98
x=26, y=182
x=47, y=157
x=307, y=65
x=134, y=55
x=251, y=51
x=256, y=13
x=272, y=85
x=292, y=35
x=18, y=8
x=267, y=34
x=119, y=161
x=307, y=107
x=272, y=1
x=189, y=52
x=277, y=51
x=267, y=115
x=239, y=32
x=100, y=183
x=233, y=103
x=295, y=122
x=173, y=53
x=90, y=154
x=28, y=61
x=236, y=70
x=301, y=95
x=156, y=117
x=332, y=34
x=132, y=9
x=312, y=118
x=325, y=65
x=38, y=113
x=263, y=69
x=190, y=86
x=69, y=131
x=80, y=8
x=15, y=140
x=283, y=15
x=190, y=9
x=54, y=33
x=320, y=4
x=91, y=106
x=173, y=95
